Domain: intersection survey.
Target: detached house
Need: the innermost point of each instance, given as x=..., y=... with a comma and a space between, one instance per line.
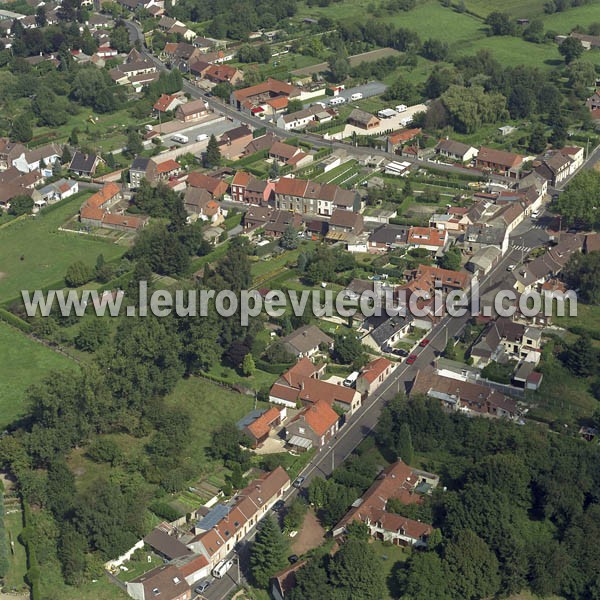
x=306, y=341
x=401, y=483
x=313, y=427
x=456, y=150
x=84, y=164
x=191, y=111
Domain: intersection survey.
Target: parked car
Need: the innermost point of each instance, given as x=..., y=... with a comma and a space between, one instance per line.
x=424, y=343
x=293, y=559
x=511, y=267
x=200, y=589
x=299, y=481
x=399, y=352
x=411, y=359
x=278, y=505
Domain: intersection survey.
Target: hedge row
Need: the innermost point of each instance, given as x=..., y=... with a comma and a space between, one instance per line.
x=273, y=368
x=3, y=539
x=15, y=321
x=33, y=567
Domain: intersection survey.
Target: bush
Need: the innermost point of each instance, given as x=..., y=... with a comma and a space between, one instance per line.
x=165, y=511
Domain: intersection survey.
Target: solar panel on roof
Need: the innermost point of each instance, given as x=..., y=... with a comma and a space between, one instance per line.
x=220, y=511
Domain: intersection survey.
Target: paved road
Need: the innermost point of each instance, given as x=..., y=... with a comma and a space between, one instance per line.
x=363, y=422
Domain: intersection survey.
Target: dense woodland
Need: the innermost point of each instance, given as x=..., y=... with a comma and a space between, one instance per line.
x=521, y=508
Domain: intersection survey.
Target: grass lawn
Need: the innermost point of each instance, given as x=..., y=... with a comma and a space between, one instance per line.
x=54, y=587
x=17, y=558
x=588, y=318
x=390, y=557
x=135, y=568
x=107, y=133
x=260, y=380
x=24, y=362
x=209, y=406
x=45, y=252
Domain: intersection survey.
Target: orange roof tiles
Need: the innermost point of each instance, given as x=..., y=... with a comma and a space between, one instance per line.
x=427, y=236
x=320, y=417
x=241, y=178
x=110, y=190
x=375, y=368
x=261, y=426
x=167, y=166
x=290, y=186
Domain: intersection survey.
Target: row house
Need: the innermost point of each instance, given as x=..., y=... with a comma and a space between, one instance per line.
x=225, y=525
x=308, y=197
x=250, y=190
x=499, y=161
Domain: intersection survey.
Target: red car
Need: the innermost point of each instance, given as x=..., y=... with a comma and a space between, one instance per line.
x=424, y=343
x=411, y=359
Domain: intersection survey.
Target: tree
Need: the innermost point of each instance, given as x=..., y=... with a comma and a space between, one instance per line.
x=78, y=274
x=21, y=205
x=472, y=567
x=339, y=66
x=534, y=32
x=119, y=38
x=348, y=349
x=405, y=445
x=559, y=133
x=470, y=107
x=425, y=578
x=401, y=89
x=451, y=259
x=581, y=357
x=289, y=238
x=449, y=350
x=92, y=334
x=223, y=90
x=578, y=202
x=434, y=49
x=537, y=139
x=294, y=105
x=267, y=554
x=213, y=153
x=357, y=570
x=294, y=515
x=21, y=128
x=40, y=16
x=500, y=23
x=581, y=273
x=248, y=366
x=521, y=101
x=134, y=143
x=571, y=49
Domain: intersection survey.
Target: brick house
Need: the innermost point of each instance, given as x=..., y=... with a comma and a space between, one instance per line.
x=499, y=161
x=191, y=111
x=313, y=427
x=373, y=374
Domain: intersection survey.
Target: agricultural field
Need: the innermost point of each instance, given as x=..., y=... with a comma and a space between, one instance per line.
x=24, y=362
x=34, y=254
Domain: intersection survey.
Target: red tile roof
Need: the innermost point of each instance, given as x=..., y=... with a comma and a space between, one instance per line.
x=404, y=136
x=167, y=166
x=427, y=236
x=375, y=368
x=320, y=417
x=110, y=190
x=499, y=157
x=241, y=178
x=163, y=103
x=261, y=426
x=290, y=186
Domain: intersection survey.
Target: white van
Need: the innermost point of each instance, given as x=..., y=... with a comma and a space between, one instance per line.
x=337, y=100
x=357, y=96
x=180, y=139
x=350, y=381
x=401, y=108
x=222, y=568
x=201, y=137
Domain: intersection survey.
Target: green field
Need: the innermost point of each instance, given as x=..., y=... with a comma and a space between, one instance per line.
x=23, y=362
x=564, y=22
x=516, y=8
x=34, y=254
